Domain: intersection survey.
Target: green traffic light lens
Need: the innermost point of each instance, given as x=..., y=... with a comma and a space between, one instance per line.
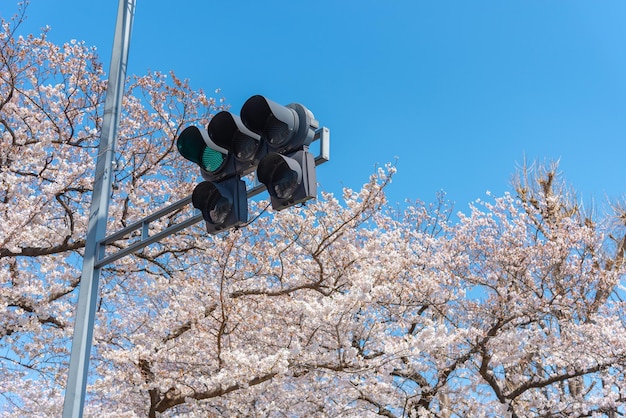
x=212, y=160
x=192, y=145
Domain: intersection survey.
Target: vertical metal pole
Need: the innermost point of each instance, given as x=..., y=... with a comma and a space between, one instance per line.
x=96, y=230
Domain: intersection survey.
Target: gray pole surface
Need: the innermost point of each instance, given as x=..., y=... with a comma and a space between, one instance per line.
x=96, y=230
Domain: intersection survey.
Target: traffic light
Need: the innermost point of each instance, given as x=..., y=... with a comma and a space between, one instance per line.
x=223, y=204
x=195, y=145
x=289, y=179
x=268, y=137
x=221, y=198
x=284, y=128
x=228, y=132
x=288, y=168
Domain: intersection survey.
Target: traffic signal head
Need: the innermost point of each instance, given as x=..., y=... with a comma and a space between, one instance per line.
x=285, y=129
x=223, y=205
x=268, y=137
x=227, y=131
x=222, y=197
x=289, y=179
x=195, y=145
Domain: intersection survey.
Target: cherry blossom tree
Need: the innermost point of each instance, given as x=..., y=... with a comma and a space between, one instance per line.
x=348, y=306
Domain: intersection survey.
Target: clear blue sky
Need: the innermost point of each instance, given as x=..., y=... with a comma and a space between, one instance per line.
x=459, y=91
